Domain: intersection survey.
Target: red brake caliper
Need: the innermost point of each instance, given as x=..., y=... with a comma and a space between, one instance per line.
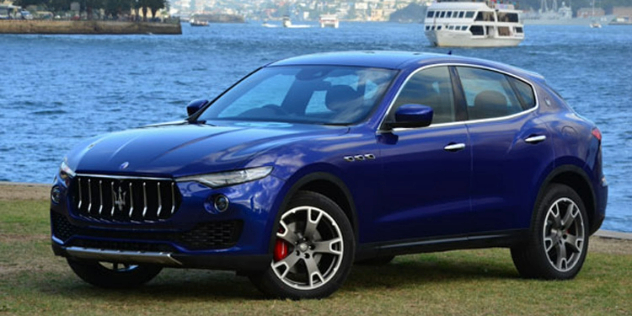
x=280, y=248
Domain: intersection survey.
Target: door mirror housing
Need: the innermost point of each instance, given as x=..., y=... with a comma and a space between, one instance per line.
x=412, y=115
x=195, y=106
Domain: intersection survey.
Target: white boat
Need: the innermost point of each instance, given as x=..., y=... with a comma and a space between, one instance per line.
x=329, y=20
x=287, y=23
x=473, y=24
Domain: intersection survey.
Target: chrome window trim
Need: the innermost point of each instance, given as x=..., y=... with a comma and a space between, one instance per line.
x=381, y=129
x=164, y=258
x=91, y=175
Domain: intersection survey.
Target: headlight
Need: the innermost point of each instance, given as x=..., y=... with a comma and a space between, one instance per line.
x=65, y=173
x=222, y=179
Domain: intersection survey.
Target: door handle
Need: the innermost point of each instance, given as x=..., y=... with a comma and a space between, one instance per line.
x=454, y=147
x=535, y=139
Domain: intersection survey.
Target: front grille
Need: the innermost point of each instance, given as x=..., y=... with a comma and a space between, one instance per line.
x=211, y=235
x=124, y=199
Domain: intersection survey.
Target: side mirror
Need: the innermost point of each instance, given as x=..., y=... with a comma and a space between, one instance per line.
x=195, y=106
x=412, y=115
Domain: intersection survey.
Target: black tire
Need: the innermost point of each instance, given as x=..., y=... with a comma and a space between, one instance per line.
x=558, y=243
x=318, y=256
x=113, y=275
x=376, y=261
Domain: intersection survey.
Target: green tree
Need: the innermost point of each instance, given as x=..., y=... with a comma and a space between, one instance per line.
x=155, y=5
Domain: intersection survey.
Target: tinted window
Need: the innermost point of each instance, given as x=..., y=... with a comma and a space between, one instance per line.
x=430, y=14
x=524, y=92
x=461, y=14
x=448, y=14
x=431, y=87
x=488, y=94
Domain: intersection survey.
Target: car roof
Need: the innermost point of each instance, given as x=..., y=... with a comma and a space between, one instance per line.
x=396, y=60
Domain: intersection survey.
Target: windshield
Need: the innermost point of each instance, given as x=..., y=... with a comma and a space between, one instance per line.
x=303, y=94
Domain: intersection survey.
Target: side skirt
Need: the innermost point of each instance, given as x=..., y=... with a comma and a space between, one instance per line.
x=443, y=243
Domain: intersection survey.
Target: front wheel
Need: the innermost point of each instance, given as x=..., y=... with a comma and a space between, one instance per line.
x=313, y=250
x=113, y=275
x=558, y=240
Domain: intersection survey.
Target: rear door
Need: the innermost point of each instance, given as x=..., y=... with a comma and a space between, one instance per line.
x=511, y=148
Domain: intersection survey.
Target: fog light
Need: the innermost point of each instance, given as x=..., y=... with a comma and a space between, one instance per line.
x=221, y=203
x=55, y=194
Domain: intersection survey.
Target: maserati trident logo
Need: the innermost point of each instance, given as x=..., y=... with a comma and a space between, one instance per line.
x=119, y=198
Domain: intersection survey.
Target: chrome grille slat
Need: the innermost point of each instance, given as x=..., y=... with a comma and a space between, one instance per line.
x=100, y=196
x=119, y=200
x=144, y=199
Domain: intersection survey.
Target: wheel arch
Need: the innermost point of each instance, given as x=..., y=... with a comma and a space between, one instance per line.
x=578, y=180
x=326, y=184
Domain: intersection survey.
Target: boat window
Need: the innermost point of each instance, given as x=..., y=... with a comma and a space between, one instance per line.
x=504, y=31
x=448, y=14
x=430, y=14
x=427, y=27
x=518, y=30
x=477, y=30
x=524, y=92
x=508, y=17
x=431, y=87
x=469, y=14
x=488, y=94
x=485, y=16
x=461, y=14
x=438, y=27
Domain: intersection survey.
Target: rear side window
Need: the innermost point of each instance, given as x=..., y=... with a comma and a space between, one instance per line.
x=524, y=92
x=488, y=94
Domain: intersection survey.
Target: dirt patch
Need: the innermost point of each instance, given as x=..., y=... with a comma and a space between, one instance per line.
x=610, y=245
x=23, y=191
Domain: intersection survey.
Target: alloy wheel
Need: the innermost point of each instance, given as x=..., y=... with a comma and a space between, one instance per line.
x=564, y=234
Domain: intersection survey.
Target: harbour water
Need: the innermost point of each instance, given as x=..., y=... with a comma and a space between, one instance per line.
x=56, y=89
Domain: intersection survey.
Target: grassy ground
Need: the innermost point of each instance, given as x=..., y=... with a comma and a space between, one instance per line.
x=475, y=282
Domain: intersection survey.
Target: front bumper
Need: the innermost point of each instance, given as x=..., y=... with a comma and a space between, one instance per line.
x=195, y=236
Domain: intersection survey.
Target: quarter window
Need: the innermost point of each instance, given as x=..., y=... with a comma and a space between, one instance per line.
x=524, y=92
x=488, y=94
x=431, y=87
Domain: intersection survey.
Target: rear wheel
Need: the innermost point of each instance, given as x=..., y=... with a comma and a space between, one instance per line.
x=558, y=240
x=313, y=250
x=113, y=275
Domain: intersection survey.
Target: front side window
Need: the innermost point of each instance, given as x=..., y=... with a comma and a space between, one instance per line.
x=488, y=94
x=303, y=94
x=431, y=87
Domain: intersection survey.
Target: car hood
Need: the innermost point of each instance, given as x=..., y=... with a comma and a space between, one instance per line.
x=186, y=149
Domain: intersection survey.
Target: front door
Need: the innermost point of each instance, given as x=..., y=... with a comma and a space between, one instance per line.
x=426, y=171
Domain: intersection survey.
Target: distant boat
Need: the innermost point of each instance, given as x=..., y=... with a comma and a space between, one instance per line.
x=595, y=25
x=329, y=20
x=473, y=24
x=198, y=23
x=287, y=23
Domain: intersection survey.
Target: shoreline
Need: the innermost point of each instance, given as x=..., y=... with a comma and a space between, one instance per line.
x=11, y=191
x=88, y=27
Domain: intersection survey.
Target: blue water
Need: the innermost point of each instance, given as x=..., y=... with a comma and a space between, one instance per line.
x=57, y=90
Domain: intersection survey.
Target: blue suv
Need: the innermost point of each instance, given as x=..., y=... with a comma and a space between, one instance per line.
x=312, y=163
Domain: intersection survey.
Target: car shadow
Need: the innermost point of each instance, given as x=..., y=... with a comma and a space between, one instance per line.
x=185, y=284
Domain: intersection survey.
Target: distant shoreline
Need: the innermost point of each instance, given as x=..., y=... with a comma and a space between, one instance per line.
x=88, y=27
x=38, y=191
